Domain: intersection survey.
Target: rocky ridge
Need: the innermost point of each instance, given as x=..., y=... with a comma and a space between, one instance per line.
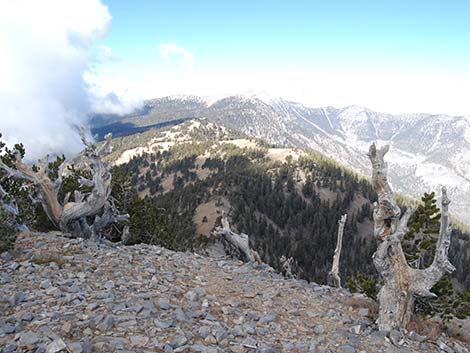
x=70, y=295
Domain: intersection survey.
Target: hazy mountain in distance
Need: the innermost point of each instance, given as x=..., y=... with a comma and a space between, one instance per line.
x=427, y=150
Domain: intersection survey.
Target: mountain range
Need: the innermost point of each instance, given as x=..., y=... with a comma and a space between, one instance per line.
x=427, y=151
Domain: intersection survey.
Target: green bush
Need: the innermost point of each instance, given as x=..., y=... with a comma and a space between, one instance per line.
x=7, y=230
x=363, y=284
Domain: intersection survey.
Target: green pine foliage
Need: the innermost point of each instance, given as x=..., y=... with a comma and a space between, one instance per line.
x=419, y=243
x=419, y=246
x=148, y=224
x=17, y=191
x=363, y=284
x=8, y=231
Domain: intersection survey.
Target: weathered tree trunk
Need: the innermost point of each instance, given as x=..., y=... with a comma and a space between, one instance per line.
x=333, y=278
x=8, y=206
x=239, y=242
x=72, y=216
x=286, y=264
x=401, y=282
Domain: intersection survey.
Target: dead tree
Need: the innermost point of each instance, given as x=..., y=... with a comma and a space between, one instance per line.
x=72, y=216
x=7, y=203
x=10, y=211
x=333, y=278
x=401, y=282
x=286, y=264
x=237, y=244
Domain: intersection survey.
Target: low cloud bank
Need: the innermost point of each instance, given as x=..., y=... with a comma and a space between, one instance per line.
x=47, y=48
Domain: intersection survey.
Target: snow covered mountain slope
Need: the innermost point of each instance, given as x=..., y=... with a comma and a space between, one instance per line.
x=427, y=151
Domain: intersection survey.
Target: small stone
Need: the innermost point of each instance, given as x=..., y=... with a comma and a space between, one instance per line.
x=181, y=315
x=67, y=327
x=109, y=285
x=56, y=346
x=355, y=329
x=19, y=297
x=237, y=331
x=220, y=335
x=93, y=306
x=331, y=313
x=10, y=348
x=164, y=304
x=139, y=341
x=312, y=348
x=444, y=347
x=319, y=329
x=204, y=331
x=107, y=324
x=363, y=311
x=40, y=348
x=8, y=329
x=46, y=284
x=211, y=340
x=347, y=349
x=6, y=256
x=163, y=323
x=267, y=350
x=5, y=278
x=268, y=318
x=416, y=337
x=28, y=338
x=192, y=296
x=87, y=347
x=76, y=347
x=27, y=317
x=395, y=337
x=54, y=292
x=378, y=337
x=14, y=266
x=179, y=341
x=168, y=349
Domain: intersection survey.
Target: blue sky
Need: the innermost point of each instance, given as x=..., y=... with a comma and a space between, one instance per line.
x=374, y=53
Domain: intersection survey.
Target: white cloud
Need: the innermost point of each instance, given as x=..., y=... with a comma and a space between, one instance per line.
x=106, y=99
x=105, y=53
x=45, y=50
x=386, y=89
x=171, y=51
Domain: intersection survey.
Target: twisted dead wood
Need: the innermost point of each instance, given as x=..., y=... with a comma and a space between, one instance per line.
x=73, y=216
x=401, y=282
x=333, y=278
x=238, y=244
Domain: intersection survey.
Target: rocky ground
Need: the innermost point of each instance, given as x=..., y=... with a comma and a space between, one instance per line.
x=62, y=295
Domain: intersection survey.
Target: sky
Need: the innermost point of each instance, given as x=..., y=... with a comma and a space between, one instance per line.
x=392, y=56
x=63, y=60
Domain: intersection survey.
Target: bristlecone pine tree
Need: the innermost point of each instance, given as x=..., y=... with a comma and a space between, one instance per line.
x=74, y=216
x=401, y=282
x=419, y=244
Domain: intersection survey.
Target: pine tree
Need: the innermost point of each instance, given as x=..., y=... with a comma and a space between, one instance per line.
x=419, y=243
x=419, y=246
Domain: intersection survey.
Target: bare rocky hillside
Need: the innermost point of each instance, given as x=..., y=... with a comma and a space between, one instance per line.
x=63, y=295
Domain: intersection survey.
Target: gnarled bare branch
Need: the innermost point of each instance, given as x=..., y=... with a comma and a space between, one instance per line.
x=286, y=264
x=239, y=242
x=72, y=216
x=402, y=283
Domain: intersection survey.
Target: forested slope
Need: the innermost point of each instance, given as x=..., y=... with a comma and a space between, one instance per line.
x=289, y=201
